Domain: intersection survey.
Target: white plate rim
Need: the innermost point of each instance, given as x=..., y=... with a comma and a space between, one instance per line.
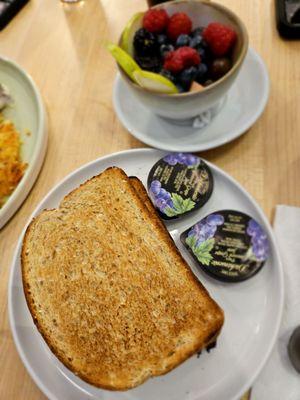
x=235, y=133
x=24, y=186
x=267, y=225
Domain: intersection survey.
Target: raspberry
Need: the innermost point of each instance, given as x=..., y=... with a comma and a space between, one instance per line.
x=220, y=38
x=179, y=24
x=155, y=21
x=189, y=56
x=173, y=63
x=184, y=57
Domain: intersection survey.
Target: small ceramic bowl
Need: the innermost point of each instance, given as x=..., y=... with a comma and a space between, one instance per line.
x=184, y=106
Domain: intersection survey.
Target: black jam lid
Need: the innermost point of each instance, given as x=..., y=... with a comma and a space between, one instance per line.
x=228, y=245
x=179, y=183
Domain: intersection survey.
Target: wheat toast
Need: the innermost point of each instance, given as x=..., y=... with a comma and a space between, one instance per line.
x=108, y=289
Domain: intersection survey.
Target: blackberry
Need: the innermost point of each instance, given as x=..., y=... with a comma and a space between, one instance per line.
x=145, y=43
x=151, y=63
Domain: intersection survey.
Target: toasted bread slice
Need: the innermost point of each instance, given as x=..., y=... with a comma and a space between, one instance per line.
x=109, y=291
x=143, y=195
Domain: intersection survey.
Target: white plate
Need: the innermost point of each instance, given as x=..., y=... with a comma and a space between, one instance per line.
x=252, y=308
x=243, y=105
x=28, y=114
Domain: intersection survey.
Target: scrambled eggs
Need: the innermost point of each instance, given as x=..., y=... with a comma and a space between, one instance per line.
x=11, y=167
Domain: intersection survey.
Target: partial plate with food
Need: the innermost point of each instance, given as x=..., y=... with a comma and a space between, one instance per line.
x=27, y=113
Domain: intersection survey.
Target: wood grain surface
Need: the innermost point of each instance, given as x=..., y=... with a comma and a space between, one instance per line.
x=62, y=47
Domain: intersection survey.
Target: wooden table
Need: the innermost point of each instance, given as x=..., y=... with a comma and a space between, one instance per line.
x=62, y=47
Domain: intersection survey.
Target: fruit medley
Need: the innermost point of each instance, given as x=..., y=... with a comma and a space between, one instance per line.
x=169, y=55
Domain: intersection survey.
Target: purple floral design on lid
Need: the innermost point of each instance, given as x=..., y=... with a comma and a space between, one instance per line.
x=169, y=204
x=162, y=198
x=259, y=240
x=201, y=237
x=189, y=160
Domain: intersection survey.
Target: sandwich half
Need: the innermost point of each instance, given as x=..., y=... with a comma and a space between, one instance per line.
x=107, y=288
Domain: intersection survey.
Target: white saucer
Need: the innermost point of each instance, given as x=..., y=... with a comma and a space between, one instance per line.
x=244, y=104
x=28, y=114
x=253, y=308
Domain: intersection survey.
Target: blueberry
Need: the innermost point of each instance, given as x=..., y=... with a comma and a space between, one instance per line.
x=187, y=76
x=167, y=74
x=165, y=48
x=201, y=73
x=162, y=39
x=195, y=42
x=204, y=54
x=202, y=70
x=197, y=32
x=183, y=40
